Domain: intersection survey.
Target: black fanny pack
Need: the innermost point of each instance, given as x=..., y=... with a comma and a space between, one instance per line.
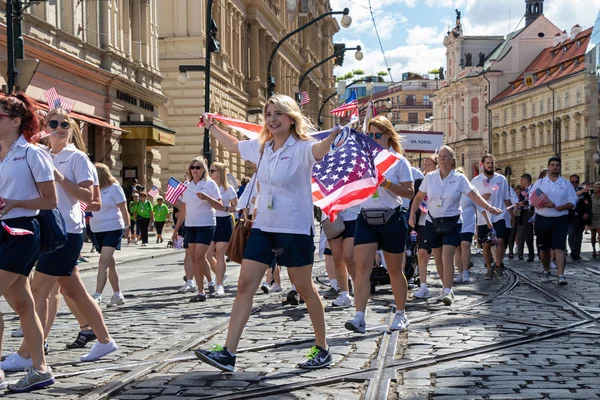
x=444, y=225
x=378, y=216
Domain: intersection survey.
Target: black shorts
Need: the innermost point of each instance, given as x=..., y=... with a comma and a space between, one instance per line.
x=349, y=229
x=448, y=239
x=499, y=227
x=327, y=252
x=159, y=227
x=108, y=239
x=223, y=230
x=551, y=232
x=18, y=254
x=288, y=249
x=199, y=234
x=62, y=262
x=467, y=237
x=422, y=241
x=390, y=237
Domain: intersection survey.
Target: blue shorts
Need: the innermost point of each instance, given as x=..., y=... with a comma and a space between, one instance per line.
x=551, y=232
x=349, y=229
x=288, y=249
x=223, y=230
x=18, y=254
x=422, y=241
x=467, y=237
x=108, y=239
x=62, y=262
x=499, y=227
x=390, y=237
x=199, y=234
x=448, y=239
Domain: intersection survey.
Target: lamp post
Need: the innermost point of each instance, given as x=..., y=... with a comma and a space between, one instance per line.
x=358, y=55
x=346, y=21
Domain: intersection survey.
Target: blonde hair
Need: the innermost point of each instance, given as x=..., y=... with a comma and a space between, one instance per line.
x=452, y=153
x=301, y=125
x=202, y=161
x=105, y=178
x=222, y=174
x=384, y=124
x=75, y=133
x=432, y=157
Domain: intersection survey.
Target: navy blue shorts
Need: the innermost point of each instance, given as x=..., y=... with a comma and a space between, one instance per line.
x=223, y=230
x=199, y=234
x=18, y=254
x=466, y=237
x=499, y=226
x=422, y=241
x=551, y=232
x=62, y=262
x=349, y=229
x=288, y=249
x=390, y=237
x=448, y=239
x=327, y=252
x=108, y=239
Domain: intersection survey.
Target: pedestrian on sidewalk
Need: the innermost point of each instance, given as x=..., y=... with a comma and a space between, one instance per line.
x=143, y=216
x=75, y=178
x=109, y=225
x=26, y=186
x=578, y=217
x=283, y=229
x=197, y=210
x=595, y=218
x=134, y=229
x=161, y=213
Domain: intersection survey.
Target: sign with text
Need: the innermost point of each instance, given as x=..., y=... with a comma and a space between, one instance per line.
x=422, y=142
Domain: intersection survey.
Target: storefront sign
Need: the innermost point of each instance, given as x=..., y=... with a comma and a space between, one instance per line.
x=127, y=98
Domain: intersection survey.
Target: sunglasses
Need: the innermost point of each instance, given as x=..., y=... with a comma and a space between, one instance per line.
x=54, y=124
x=574, y=181
x=196, y=167
x=213, y=170
x=377, y=135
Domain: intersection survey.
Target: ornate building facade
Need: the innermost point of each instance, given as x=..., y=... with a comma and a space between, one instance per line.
x=103, y=55
x=545, y=111
x=248, y=32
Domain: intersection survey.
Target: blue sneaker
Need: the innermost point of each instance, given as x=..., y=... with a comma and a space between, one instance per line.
x=317, y=357
x=219, y=357
x=33, y=380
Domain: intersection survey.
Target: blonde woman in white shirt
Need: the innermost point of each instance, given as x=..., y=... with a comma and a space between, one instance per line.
x=197, y=209
x=224, y=227
x=284, y=224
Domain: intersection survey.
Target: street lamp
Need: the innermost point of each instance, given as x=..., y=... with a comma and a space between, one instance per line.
x=358, y=55
x=370, y=86
x=270, y=80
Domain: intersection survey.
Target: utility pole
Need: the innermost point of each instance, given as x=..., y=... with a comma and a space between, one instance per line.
x=10, y=47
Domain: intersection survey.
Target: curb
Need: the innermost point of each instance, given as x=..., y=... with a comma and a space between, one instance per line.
x=132, y=259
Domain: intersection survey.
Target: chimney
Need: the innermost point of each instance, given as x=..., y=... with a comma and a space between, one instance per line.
x=564, y=37
x=556, y=40
x=576, y=30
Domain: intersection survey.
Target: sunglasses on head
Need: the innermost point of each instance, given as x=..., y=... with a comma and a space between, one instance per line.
x=54, y=124
x=377, y=135
x=196, y=167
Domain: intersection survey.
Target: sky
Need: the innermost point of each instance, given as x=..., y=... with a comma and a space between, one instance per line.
x=412, y=31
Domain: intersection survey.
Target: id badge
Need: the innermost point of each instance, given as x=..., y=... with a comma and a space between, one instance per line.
x=270, y=201
x=440, y=203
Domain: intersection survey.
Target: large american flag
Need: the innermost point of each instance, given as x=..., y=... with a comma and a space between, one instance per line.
x=350, y=105
x=174, y=190
x=537, y=198
x=350, y=173
x=304, y=98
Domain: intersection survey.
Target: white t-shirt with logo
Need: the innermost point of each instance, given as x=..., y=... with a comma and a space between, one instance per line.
x=383, y=198
x=443, y=195
x=559, y=192
x=109, y=218
x=497, y=186
x=469, y=214
x=198, y=212
x=226, y=196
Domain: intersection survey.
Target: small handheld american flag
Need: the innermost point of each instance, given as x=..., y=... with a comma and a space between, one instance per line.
x=153, y=192
x=83, y=206
x=304, y=98
x=537, y=198
x=350, y=105
x=174, y=190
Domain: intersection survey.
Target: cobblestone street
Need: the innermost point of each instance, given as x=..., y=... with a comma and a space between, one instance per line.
x=507, y=339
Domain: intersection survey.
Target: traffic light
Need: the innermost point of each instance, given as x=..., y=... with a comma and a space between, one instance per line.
x=213, y=44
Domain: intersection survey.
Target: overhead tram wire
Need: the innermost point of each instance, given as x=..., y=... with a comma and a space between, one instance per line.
x=380, y=44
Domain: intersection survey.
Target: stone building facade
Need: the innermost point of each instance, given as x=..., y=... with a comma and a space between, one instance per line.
x=248, y=31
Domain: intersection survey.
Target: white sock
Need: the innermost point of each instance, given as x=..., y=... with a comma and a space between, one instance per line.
x=424, y=285
x=293, y=287
x=400, y=313
x=346, y=293
x=447, y=290
x=211, y=283
x=100, y=350
x=333, y=283
x=97, y=294
x=118, y=294
x=190, y=281
x=265, y=283
x=360, y=315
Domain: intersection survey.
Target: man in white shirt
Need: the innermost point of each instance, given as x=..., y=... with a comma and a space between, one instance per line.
x=494, y=189
x=552, y=218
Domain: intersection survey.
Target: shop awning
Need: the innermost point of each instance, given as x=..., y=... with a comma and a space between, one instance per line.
x=155, y=134
x=86, y=118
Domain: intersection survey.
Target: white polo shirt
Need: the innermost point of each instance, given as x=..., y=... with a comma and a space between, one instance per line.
x=350, y=214
x=383, y=198
x=284, y=177
x=497, y=186
x=443, y=196
x=199, y=212
x=226, y=196
x=514, y=199
x=248, y=198
x=469, y=214
x=416, y=174
x=559, y=192
x=76, y=167
x=15, y=179
x=109, y=218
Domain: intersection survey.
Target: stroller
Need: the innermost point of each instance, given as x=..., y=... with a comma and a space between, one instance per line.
x=380, y=276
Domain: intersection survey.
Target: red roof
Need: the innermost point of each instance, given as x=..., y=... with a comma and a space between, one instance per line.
x=552, y=64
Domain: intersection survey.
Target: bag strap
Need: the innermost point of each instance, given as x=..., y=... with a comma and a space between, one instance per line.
x=254, y=181
x=30, y=172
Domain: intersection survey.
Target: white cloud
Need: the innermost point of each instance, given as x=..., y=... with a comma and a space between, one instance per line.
x=424, y=35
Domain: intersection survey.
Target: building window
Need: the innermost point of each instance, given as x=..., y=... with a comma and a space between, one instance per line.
x=426, y=101
x=505, y=118
x=428, y=115
x=558, y=103
x=577, y=130
x=549, y=104
x=411, y=99
x=541, y=107
x=533, y=109
x=567, y=99
x=413, y=118
x=578, y=96
x=524, y=110
x=513, y=113
x=462, y=159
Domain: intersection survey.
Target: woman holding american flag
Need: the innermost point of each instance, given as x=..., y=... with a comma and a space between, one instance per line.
x=284, y=224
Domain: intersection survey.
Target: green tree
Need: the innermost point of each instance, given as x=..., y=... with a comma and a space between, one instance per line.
x=358, y=72
x=382, y=73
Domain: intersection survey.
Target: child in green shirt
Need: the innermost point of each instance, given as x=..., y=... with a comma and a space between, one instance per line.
x=161, y=212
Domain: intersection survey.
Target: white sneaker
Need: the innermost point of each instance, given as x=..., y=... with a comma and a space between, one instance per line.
x=97, y=298
x=100, y=350
x=458, y=278
x=276, y=288
x=448, y=298
x=465, y=277
x=14, y=362
x=17, y=332
x=553, y=265
x=356, y=325
x=422, y=293
x=116, y=300
x=265, y=288
x=399, y=323
x=343, y=300
x=220, y=291
x=189, y=286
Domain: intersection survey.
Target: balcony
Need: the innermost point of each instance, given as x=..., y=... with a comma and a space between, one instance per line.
x=411, y=104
